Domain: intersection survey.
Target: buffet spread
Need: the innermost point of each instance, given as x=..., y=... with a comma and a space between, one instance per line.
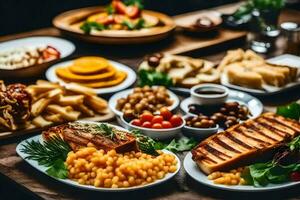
x=231, y=143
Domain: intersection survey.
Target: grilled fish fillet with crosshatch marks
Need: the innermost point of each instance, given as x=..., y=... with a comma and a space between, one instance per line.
x=244, y=142
x=80, y=134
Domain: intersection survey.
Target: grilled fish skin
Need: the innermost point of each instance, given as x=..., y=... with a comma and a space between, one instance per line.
x=79, y=134
x=244, y=143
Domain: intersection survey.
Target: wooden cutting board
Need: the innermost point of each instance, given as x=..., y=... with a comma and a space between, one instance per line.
x=184, y=43
x=32, y=129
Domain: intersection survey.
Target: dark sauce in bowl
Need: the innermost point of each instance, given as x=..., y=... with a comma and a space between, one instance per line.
x=210, y=91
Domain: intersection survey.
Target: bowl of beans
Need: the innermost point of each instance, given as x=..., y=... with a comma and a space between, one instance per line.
x=140, y=99
x=199, y=126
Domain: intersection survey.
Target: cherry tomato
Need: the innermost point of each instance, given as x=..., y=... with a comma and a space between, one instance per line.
x=166, y=124
x=132, y=11
x=146, y=117
x=295, y=176
x=157, y=119
x=165, y=113
x=176, y=120
x=146, y=125
x=157, y=126
x=136, y=122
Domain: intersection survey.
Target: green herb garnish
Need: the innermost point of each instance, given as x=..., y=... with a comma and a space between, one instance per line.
x=145, y=143
x=183, y=144
x=107, y=130
x=87, y=27
x=110, y=9
x=291, y=111
x=152, y=77
x=50, y=154
x=138, y=3
x=134, y=26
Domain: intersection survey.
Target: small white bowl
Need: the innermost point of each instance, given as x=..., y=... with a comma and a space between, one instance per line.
x=198, y=133
x=209, y=99
x=159, y=134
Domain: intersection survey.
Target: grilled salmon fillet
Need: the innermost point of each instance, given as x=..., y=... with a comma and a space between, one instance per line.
x=79, y=134
x=242, y=143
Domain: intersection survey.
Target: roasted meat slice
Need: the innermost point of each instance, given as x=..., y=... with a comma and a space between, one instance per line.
x=243, y=143
x=79, y=134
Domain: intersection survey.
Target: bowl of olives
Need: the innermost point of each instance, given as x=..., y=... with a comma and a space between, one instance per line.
x=199, y=126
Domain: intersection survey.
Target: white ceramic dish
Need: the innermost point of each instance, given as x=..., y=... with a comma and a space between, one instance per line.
x=130, y=79
x=209, y=99
x=198, y=133
x=254, y=105
x=123, y=94
x=193, y=171
x=65, y=48
x=159, y=134
x=286, y=59
x=42, y=169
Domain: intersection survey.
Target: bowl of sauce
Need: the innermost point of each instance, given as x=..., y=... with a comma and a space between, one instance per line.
x=209, y=94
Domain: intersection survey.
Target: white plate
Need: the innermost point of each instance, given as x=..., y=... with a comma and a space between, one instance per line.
x=193, y=171
x=65, y=47
x=286, y=59
x=87, y=187
x=113, y=100
x=130, y=79
x=254, y=105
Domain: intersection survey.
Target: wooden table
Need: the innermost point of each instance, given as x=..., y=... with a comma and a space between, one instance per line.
x=23, y=179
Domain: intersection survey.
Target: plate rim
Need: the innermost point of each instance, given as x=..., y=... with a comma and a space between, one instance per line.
x=252, y=189
x=74, y=184
x=129, y=81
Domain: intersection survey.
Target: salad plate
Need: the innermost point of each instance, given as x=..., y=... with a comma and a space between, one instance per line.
x=254, y=105
x=129, y=80
x=72, y=183
x=193, y=171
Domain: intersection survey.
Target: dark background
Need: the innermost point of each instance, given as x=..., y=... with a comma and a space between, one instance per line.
x=24, y=15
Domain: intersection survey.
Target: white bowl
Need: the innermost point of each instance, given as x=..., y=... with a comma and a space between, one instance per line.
x=123, y=94
x=198, y=133
x=159, y=134
x=209, y=99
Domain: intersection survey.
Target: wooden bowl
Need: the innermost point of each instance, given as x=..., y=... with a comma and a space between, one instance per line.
x=69, y=22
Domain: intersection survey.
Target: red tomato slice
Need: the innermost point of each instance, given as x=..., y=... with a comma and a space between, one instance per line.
x=146, y=125
x=166, y=124
x=157, y=119
x=157, y=126
x=136, y=122
x=176, y=120
x=132, y=11
x=120, y=7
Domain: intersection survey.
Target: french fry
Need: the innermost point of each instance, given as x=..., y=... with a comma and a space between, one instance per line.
x=39, y=106
x=56, y=118
x=85, y=110
x=53, y=94
x=79, y=89
x=42, y=88
x=40, y=122
x=97, y=103
x=66, y=112
x=70, y=100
